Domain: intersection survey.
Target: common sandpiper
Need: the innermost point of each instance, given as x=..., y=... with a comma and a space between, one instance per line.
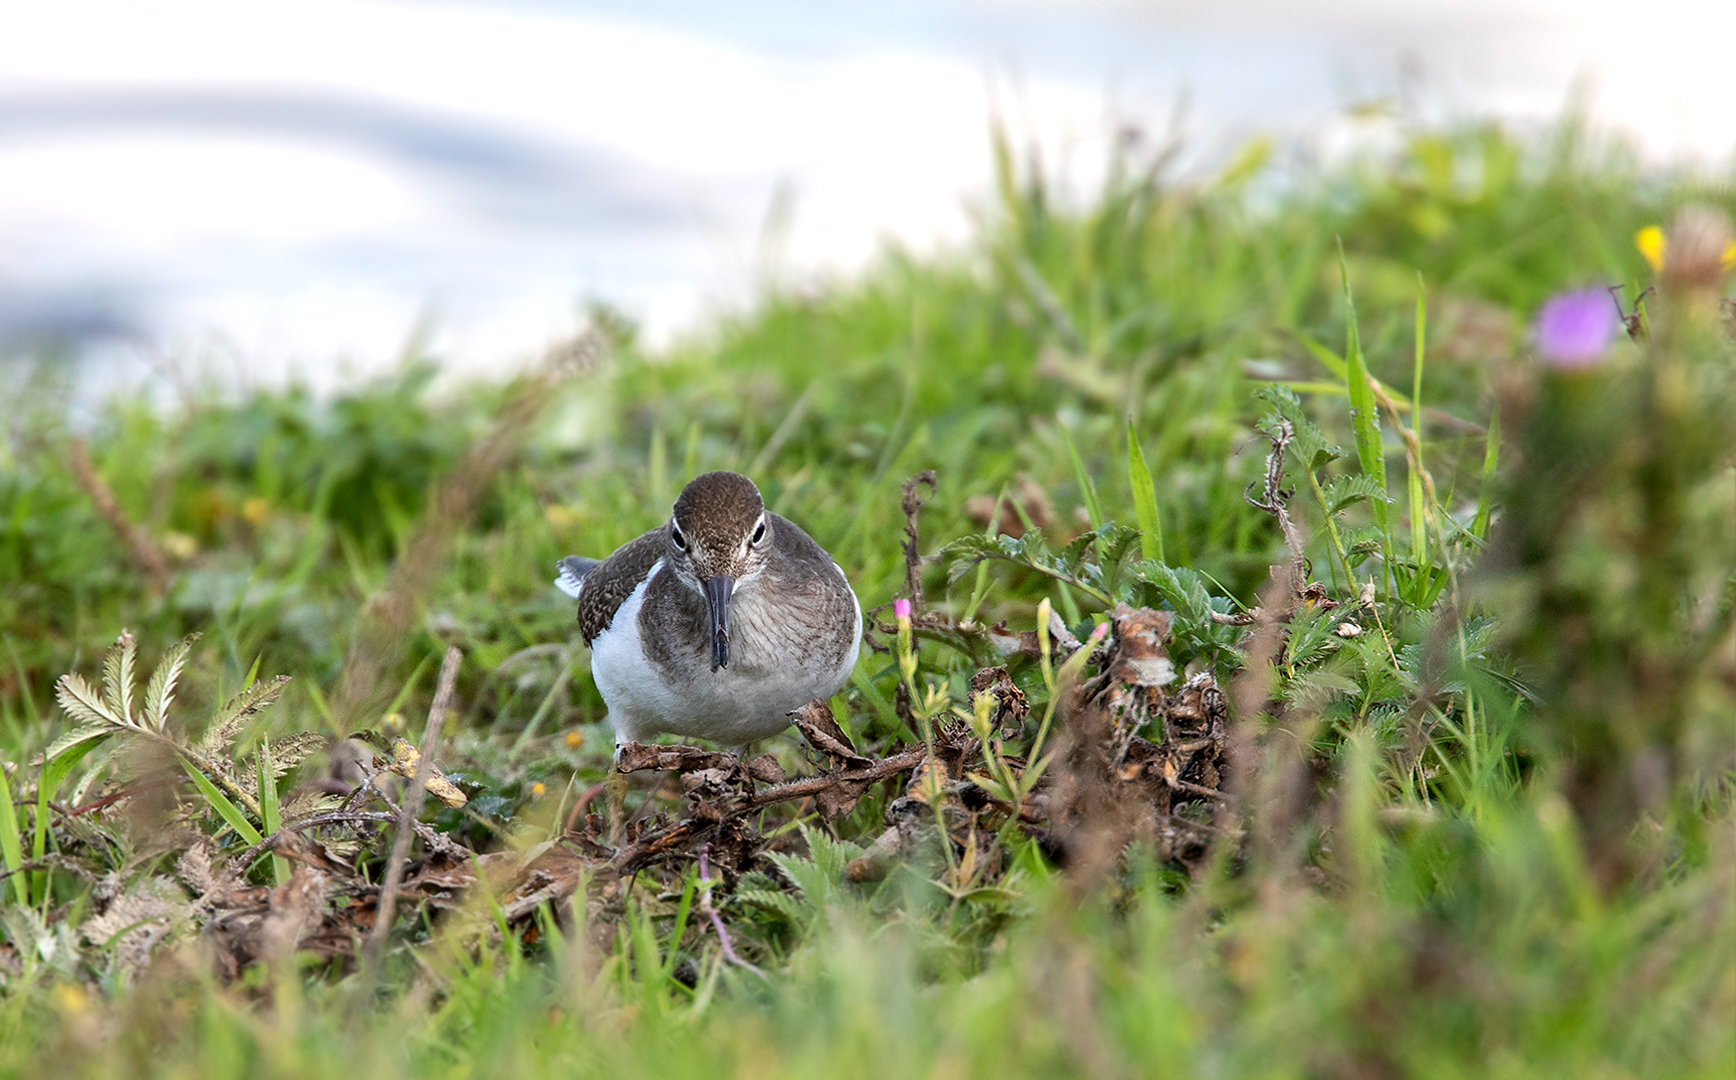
x=717, y=624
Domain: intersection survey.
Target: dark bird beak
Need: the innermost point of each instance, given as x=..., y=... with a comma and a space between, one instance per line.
x=717, y=593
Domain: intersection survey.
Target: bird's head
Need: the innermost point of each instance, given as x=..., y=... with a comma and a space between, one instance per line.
x=719, y=536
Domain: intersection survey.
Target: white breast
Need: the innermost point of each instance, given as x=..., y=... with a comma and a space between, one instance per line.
x=771, y=672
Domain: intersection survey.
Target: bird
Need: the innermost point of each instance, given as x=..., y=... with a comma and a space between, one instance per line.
x=717, y=624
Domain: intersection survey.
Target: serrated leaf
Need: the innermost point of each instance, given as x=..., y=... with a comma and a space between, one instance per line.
x=1309, y=446
x=1342, y=491
x=286, y=754
x=255, y=698
x=306, y=804
x=161, y=690
x=84, y=733
x=79, y=700
x=292, y=750
x=782, y=903
x=117, y=675
x=233, y=716
x=1030, y=551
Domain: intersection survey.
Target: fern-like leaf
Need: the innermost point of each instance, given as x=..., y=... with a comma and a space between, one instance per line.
x=117, y=675
x=79, y=700
x=1341, y=491
x=780, y=902
x=286, y=754
x=235, y=713
x=76, y=737
x=161, y=690
x=306, y=804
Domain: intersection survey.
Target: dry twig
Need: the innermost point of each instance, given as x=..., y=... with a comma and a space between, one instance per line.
x=412, y=808
x=146, y=554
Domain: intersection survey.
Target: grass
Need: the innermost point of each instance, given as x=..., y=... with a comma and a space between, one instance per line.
x=1440, y=862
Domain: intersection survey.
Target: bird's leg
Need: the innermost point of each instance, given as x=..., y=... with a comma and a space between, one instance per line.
x=615, y=790
x=741, y=753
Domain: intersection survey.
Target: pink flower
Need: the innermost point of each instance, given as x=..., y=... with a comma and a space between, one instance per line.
x=901, y=608
x=1575, y=329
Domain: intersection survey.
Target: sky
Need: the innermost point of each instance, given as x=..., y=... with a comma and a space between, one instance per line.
x=263, y=191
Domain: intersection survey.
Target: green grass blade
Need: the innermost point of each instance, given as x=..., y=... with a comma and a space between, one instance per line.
x=1369, y=451
x=11, y=841
x=1333, y=362
x=252, y=672
x=1414, y=486
x=269, y=814
x=1417, y=368
x=228, y=811
x=1486, y=494
x=55, y=770
x=1144, y=498
x=24, y=693
x=409, y=686
x=1085, y=485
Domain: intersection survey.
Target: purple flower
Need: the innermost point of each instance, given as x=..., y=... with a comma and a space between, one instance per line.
x=901, y=608
x=1575, y=329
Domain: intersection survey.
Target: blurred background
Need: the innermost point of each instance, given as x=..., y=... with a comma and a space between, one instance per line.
x=269, y=192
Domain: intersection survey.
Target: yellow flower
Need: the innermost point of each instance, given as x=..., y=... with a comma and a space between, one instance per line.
x=538, y=790
x=256, y=510
x=1650, y=241
x=69, y=999
x=575, y=739
x=180, y=546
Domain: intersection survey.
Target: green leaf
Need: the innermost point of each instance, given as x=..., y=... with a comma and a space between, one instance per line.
x=117, y=676
x=11, y=841
x=84, y=733
x=1309, y=446
x=1342, y=491
x=1414, y=488
x=1113, y=542
x=80, y=701
x=1363, y=418
x=56, y=766
x=268, y=809
x=227, y=810
x=1085, y=485
x=1486, y=494
x=1144, y=499
x=161, y=691
x=1333, y=362
x=235, y=713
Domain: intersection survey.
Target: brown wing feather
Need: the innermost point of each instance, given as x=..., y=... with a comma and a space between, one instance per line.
x=609, y=585
x=809, y=576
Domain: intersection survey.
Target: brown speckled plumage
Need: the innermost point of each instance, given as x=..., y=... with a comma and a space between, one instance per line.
x=611, y=582
x=785, y=629
x=717, y=507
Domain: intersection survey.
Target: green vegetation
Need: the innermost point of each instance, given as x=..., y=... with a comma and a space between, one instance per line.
x=1481, y=668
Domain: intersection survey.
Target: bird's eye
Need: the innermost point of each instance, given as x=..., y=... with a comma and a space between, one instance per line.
x=675, y=535
x=759, y=532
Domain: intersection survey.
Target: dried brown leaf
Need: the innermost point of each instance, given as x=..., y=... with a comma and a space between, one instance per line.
x=817, y=724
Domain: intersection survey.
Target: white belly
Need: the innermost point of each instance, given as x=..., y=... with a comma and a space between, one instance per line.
x=770, y=674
